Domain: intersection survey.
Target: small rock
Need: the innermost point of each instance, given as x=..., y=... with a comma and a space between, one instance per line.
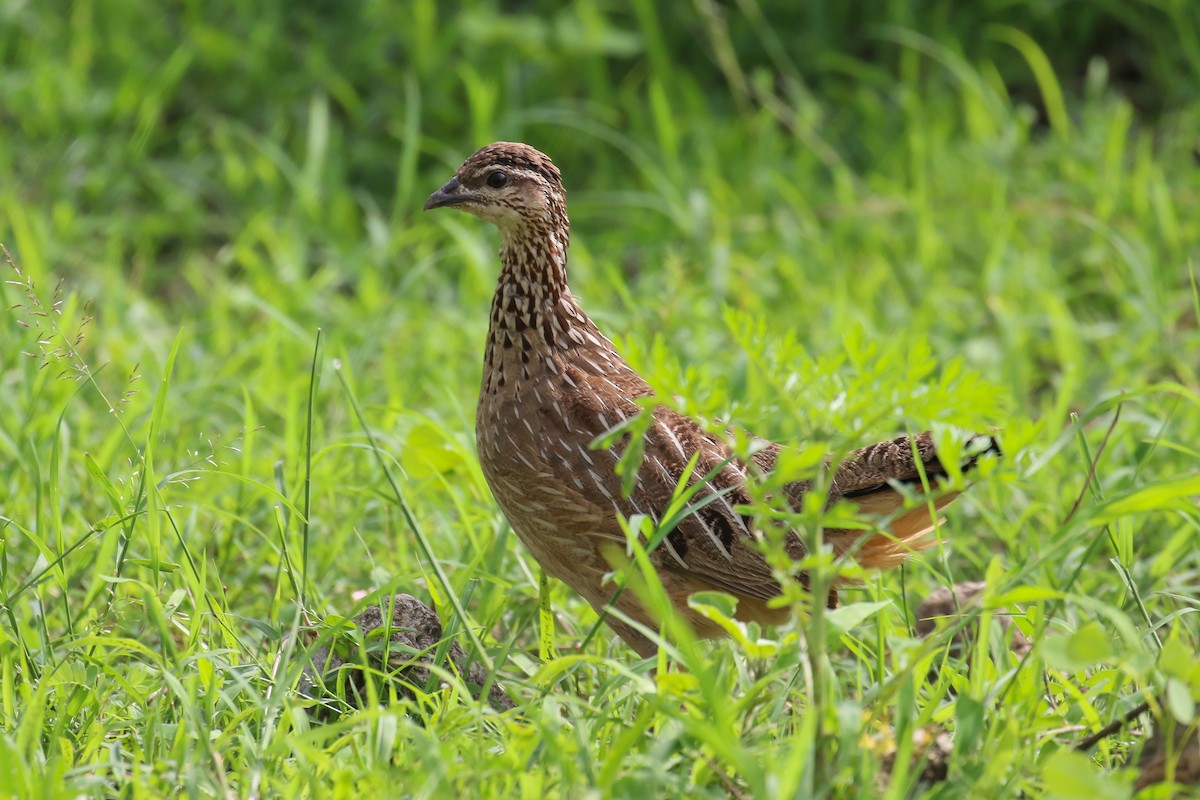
x=946, y=605
x=415, y=634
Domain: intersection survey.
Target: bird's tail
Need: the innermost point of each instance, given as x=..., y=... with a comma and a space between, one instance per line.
x=873, y=478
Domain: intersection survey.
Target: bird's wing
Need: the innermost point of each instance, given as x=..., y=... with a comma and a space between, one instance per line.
x=715, y=543
x=712, y=547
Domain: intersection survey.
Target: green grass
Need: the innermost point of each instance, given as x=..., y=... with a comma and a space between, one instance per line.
x=929, y=222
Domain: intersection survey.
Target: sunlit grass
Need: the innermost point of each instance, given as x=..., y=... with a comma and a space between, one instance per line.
x=907, y=245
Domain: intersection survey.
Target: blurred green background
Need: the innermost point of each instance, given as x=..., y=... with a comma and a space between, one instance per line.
x=152, y=150
x=821, y=220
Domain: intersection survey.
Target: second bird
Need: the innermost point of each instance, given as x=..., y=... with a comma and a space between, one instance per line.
x=553, y=384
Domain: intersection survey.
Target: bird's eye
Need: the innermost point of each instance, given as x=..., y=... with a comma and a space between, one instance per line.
x=497, y=179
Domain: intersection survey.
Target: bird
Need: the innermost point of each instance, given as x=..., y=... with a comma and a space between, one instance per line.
x=553, y=386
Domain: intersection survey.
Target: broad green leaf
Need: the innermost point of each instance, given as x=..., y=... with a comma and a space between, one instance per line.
x=720, y=608
x=720, y=602
x=14, y=775
x=1069, y=775
x=1090, y=644
x=677, y=683
x=205, y=667
x=1176, y=659
x=969, y=714
x=994, y=573
x=1180, y=701
x=846, y=618
x=1080, y=650
x=1025, y=594
x=428, y=451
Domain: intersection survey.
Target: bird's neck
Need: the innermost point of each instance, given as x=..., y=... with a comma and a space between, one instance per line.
x=533, y=273
x=534, y=315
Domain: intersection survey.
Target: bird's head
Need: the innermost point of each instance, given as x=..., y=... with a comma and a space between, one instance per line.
x=510, y=185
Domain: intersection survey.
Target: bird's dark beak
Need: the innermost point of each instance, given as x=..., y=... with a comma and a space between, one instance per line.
x=449, y=195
